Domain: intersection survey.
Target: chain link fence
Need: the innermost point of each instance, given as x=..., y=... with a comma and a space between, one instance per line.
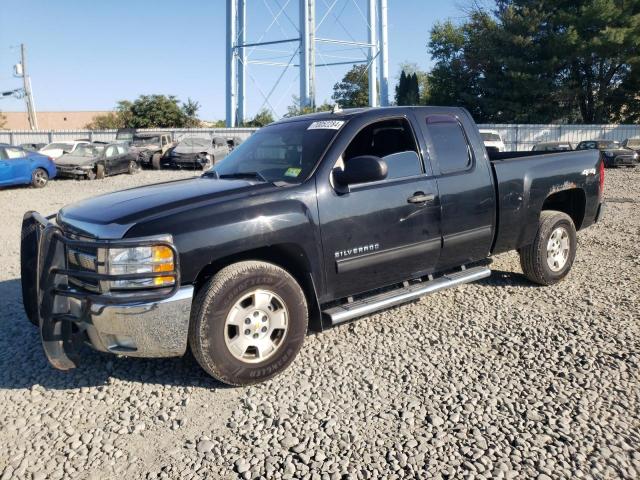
x=515, y=137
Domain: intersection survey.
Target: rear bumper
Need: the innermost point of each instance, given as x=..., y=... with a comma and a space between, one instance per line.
x=150, y=323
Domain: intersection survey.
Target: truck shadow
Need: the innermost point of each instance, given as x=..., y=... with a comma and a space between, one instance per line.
x=503, y=278
x=23, y=363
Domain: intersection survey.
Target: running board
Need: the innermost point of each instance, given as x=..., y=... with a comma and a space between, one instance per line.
x=364, y=306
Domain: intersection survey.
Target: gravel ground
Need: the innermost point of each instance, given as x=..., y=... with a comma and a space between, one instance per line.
x=498, y=379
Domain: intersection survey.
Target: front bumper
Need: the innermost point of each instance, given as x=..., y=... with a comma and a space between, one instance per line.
x=72, y=171
x=69, y=312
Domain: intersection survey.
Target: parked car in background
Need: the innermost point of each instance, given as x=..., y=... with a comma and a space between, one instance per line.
x=632, y=144
x=233, y=142
x=22, y=167
x=32, y=147
x=97, y=161
x=151, y=147
x=56, y=149
x=492, y=141
x=613, y=154
x=196, y=152
x=552, y=147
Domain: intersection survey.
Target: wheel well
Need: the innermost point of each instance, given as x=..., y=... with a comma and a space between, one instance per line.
x=572, y=202
x=287, y=256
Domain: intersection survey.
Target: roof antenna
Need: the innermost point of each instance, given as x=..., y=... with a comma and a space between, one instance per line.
x=336, y=108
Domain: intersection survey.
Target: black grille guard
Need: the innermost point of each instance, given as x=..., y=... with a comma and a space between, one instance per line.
x=46, y=290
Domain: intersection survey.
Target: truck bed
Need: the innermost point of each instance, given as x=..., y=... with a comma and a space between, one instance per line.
x=528, y=181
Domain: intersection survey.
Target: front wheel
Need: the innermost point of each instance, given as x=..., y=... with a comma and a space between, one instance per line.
x=133, y=167
x=39, y=178
x=550, y=257
x=248, y=323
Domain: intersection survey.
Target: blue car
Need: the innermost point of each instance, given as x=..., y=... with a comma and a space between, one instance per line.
x=22, y=167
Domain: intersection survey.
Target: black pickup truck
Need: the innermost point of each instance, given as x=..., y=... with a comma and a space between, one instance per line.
x=311, y=222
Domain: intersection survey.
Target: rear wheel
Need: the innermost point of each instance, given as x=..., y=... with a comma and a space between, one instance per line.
x=39, y=178
x=248, y=323
x=155, y=161
x=550, y=257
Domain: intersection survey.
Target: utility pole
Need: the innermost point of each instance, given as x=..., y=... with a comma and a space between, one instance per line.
x=28, y=94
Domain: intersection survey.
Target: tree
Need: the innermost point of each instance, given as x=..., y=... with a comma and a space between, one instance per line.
x=149, y=111
x=408, y=89
x=262, y=118
x=190, y=109
x=422, y=77
x=353, y=89
x=295, y=109
x=538, y=61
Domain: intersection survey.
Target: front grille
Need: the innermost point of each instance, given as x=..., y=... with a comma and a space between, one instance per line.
x=82, y=259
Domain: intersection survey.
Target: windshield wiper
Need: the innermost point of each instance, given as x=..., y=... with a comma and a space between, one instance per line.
x=255, y=175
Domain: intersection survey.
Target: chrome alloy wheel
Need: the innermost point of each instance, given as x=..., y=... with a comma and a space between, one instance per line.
x=40, y=178
x=256, y=326
x=558, y=248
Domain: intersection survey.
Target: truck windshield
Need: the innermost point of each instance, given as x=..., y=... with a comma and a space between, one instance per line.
x=285, y=152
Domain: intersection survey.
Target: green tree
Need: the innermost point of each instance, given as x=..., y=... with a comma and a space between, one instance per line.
x=408, y=89
x=149, y=111
x=190, y=108
x=541, y=60
x=353, y=89
x=295, y=109
x=262, y=118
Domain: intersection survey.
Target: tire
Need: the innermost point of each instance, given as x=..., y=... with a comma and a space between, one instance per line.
x=39, y=178
x=99, y=171
x=209, y=161
x=242, y=284
x=133, y=167
x=91, y=175
x=155, y=161
x=537, y=263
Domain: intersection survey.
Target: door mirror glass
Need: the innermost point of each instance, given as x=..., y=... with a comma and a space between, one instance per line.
x=362, y=169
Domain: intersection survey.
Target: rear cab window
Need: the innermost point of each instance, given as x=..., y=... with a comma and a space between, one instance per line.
x=449, y=145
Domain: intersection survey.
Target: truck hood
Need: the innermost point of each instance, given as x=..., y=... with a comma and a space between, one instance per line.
x=111, y=215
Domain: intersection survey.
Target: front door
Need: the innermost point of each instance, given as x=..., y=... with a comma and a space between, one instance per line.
x=382, y=232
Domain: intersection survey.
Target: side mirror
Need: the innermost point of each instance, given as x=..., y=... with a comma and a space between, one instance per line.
x=363, y=169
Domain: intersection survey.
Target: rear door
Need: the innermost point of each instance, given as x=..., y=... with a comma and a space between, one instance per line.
x=465, y=183
x=377, y=234
x=21, y=166
x=111, y=160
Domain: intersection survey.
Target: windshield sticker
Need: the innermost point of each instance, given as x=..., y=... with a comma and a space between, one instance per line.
x=292, y=172
x=326, y=125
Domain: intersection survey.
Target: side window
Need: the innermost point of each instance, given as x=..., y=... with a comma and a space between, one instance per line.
x=12, y=153
x=450, y=145
x=121, y=149
x=111, y=151
x=391, y=140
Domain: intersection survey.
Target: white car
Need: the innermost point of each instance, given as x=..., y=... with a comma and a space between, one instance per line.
x=56, y=149
x=492, y=140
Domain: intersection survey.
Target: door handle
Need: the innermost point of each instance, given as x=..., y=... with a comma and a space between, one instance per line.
x=421, y=197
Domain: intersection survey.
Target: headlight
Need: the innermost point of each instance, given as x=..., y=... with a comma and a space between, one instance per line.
x=149, y=259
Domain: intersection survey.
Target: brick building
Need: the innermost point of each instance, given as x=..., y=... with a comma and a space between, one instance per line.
x=51, y=120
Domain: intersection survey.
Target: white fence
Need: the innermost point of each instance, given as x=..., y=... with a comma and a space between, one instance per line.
x=524, y=137
x=16, y=137
x=516, y=137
